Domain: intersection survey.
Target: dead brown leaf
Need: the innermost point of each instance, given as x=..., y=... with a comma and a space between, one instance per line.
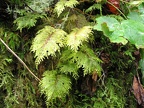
x=94, y=76
x=88, y=85
x=94, y=79
x=138, y=90
x=105, y=57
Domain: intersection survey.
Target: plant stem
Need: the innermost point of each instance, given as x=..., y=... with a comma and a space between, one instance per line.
x=20, y=60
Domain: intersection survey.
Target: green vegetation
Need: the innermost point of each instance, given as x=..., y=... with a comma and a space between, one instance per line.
x=74, y=53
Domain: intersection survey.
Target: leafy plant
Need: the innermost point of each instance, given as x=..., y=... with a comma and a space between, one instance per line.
x=123, y=31
x=50, y=44
x=84, y=58
x=111, y=28
x=55, y=85
x=109, y=97
x=120, y=32
x=84, y=51
x=77, y=36
x=48, y=41
x=27, y=21
x=62, y=4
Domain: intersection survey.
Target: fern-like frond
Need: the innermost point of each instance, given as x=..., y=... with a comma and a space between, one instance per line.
x=94, y=7
x=27, y=21
x=62, y=4
x=77, y=36
x=86, y=59
x=69, y=68
x=54, y=85
x=47, y=42
x=76, y=21
x=71, y=3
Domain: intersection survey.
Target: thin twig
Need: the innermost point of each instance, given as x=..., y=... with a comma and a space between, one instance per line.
x=20, y=60
x=29, y=7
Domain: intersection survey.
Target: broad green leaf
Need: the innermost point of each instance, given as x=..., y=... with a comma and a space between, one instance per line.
x=141, y=8
x=111, y=28
x=115, y=36
x=111, y=22
x=136, y=16
x=134, y=32
x=136, y=3
x=54, y=85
